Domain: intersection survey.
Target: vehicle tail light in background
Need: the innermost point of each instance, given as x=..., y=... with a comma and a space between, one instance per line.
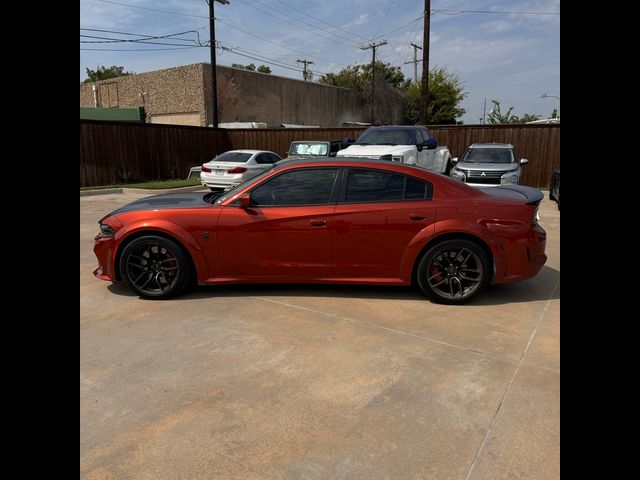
x=205, y=169
x=237, y=170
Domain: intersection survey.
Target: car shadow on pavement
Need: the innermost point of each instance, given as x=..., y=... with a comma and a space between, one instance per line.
x=540, y=287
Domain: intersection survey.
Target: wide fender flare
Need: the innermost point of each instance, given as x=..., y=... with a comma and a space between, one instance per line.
x=171, y=229
x=442, y=228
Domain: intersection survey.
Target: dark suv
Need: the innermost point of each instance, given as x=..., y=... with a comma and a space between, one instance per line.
x=489, y=164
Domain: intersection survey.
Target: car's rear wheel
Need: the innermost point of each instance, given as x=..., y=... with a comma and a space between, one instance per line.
x=453, y=271
x=155, y=267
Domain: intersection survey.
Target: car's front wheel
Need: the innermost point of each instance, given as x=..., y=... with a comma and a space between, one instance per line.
x=447, y=170
x=155, y=267
x=453, y=271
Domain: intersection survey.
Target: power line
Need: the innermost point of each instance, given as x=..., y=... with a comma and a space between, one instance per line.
x=153, y=9
x=265, y=59
x=141, y=40
x=137, y=49
x=260, y=59
x=276, y=43
x=138, y=34
x=400, y=27
x=145, y=36
x=298, y=27
x=457, y=12
x=322, y=21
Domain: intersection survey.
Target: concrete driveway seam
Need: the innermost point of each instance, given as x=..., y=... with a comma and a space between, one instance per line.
x=392, y=330
x=493, y=419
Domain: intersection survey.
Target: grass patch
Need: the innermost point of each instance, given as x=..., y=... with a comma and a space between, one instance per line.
x=154, y=185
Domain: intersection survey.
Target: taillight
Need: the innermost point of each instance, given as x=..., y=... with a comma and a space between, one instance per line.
x=237, y=170
x=205, y=169
x=536, y=218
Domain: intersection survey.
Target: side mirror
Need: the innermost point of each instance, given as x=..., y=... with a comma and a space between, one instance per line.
x=244, y=200
x=454, y=160
x=431, y=143
x=523, y=161
x=420, y=146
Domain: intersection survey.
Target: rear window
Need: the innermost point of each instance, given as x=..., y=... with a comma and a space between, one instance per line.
x=379, y=186
x=233, y=157
x=308, y=149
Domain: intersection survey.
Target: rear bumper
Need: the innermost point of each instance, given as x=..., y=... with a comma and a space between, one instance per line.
x=525, y=256
x=220, y=181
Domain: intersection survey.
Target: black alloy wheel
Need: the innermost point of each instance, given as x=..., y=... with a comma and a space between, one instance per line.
x=453, y=271
x=155, y=267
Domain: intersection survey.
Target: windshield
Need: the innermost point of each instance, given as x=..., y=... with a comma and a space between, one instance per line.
x=385, y=137
x=232, y=157
x=308, y=149
x=488, y=155
x=244, y=184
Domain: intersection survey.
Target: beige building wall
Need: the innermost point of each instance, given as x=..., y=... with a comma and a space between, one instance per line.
x=182, y=95
x=165, y=94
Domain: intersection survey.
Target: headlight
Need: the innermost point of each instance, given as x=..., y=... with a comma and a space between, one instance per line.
x=397, y=158
x=106, y=230
x=458, y=174
x=510, y=177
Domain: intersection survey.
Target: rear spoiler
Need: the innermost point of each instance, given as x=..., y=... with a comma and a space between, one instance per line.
x=531, y=196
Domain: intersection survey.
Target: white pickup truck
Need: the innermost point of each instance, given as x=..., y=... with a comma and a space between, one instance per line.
x=398, y=143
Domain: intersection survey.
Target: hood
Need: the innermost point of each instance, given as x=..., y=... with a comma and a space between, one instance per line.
x=488, y=167
x=166, y=201
x=377, y=150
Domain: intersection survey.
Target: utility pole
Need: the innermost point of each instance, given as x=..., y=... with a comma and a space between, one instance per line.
x=373, y=47
x=424, y=100
x=304, y=72
x=415, y=61
x=212, y=47
x=484, y=111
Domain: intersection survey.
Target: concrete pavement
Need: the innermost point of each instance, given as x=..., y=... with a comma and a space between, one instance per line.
x=316, y=382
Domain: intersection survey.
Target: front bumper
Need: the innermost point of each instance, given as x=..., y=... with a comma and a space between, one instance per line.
x=104, y=249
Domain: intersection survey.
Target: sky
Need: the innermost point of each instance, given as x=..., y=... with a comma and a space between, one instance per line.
x=512, y=58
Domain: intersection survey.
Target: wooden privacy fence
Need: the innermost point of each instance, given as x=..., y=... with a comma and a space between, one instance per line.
x=114, y=152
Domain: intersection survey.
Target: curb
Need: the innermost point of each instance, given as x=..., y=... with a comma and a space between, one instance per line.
x=150, y=191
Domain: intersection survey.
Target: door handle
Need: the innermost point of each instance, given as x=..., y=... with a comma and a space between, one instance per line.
x=417, y=217
x=318, y=223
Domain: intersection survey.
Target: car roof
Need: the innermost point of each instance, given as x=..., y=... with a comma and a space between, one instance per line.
x=342, y=161
x=316, y=141
x=248, y=151
x=394, y=127
x=491, y=145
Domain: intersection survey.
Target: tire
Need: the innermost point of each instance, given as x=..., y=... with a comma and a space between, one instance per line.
x=441, y=277
x=447, y=170
x=155, y=267
x=216, y=189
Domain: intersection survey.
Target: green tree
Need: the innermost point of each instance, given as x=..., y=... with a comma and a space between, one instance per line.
x=496, y=117
x=104, y=73
x=358, y=76
x=264, y=69
x=445, y=94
